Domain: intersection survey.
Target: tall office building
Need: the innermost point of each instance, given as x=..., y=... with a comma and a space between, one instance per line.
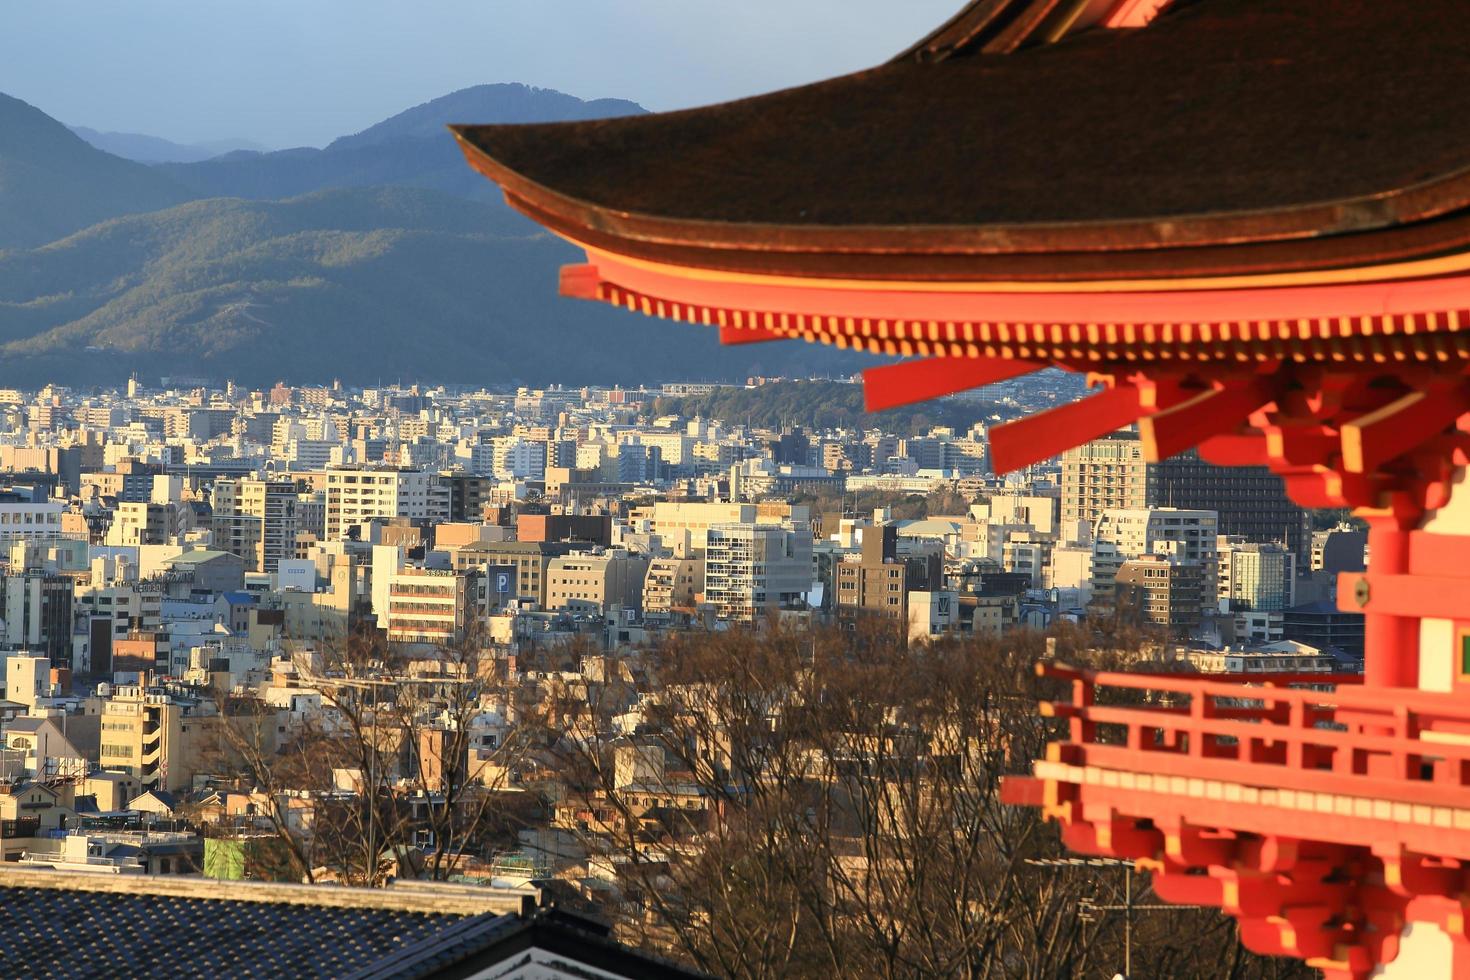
x=357, y=495
x=1251, y=501
x=1162, y=591
x=257, y=520
x=880, y=579
x=1111, y=473
x=1107, y=474
x=1254, y=577
x=37, y=614
x=751, y=569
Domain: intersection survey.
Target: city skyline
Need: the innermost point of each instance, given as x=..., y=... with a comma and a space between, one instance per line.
x=839, y=489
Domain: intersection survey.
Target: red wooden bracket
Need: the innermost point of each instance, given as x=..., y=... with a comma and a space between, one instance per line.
x=749, y=335
x=1209, y=413
x=1235, y=449
x=1371, y=440
x=579, y=281
x=1038, y=437
x=909, y=382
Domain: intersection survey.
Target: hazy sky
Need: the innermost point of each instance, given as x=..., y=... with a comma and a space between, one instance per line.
x=301, y=72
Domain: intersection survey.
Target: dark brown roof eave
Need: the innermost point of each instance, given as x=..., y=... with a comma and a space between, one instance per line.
x=1424, y=220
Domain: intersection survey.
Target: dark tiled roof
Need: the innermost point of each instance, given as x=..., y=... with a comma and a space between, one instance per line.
x=54, y=924
x=1293, y=116
x=581, y=947
x=83, y=934
x=1228, y=104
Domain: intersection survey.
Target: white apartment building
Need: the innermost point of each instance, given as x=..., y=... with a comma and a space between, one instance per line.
x=751, y=569
x=519, y=459
x=476, y=457
x=356, y=495
x=1183, y=536
x=256, y=519
x=675, y=448
x=684, y=526
x=29, y=521
x=137, y=523
x=1108, y=474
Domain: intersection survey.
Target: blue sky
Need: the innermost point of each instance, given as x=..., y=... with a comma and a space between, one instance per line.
x=301, y=72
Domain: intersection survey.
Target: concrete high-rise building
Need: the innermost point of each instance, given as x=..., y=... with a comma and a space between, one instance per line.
x=30, y=521
x=530, y=561
x=433, y=606
x=1249, y=501
x=1187, y=537
x=1339, y=549
x=880, y=579
x=257, y=520
x=593, y=583
x=685, y=524
x=1162, y=591
x=1111, y=473
x=1254, y=577
x=156, y=738
x=672, y=583
x=356, y=495
x=1108, y=474
x=750, y=569
x=146, y=522
x=38, y=615
x=468, y=494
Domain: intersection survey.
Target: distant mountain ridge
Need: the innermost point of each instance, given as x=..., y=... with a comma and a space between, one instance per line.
x=372, y=271
x=143, y=148
x=410, y=148
x=52, y=182
x=497, y=103
x=359, y=283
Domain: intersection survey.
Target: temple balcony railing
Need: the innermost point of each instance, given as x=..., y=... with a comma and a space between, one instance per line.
x=1259, y=753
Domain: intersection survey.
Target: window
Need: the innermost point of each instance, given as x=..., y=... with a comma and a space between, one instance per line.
x=1464, y=663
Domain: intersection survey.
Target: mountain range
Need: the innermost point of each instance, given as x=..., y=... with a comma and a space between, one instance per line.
x=154, y=149
x=52, y=182
x=410, y=148
x=379, y=257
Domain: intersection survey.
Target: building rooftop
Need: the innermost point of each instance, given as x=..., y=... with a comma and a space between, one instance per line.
x=198, y=556
x=60, y=924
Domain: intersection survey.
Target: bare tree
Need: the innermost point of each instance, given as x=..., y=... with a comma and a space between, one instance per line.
x=828, y=803
x=400, y=775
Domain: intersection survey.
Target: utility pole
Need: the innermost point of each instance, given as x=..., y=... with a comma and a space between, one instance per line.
x=1089, y=910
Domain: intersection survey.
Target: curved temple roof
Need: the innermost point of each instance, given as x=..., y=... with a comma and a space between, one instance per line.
x=1191, y=210
x=1223, y=123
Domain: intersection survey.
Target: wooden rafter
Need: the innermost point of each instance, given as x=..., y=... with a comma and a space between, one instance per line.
x=916, y=381
x=733, y=336
x=1214, y=412
x=1050, y=433
x=1373, y=439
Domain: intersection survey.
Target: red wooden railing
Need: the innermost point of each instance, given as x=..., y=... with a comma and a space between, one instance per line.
x=1260, y=731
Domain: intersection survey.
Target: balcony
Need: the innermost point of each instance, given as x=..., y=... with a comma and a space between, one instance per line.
x=1405, y=747
x=1266, y=799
